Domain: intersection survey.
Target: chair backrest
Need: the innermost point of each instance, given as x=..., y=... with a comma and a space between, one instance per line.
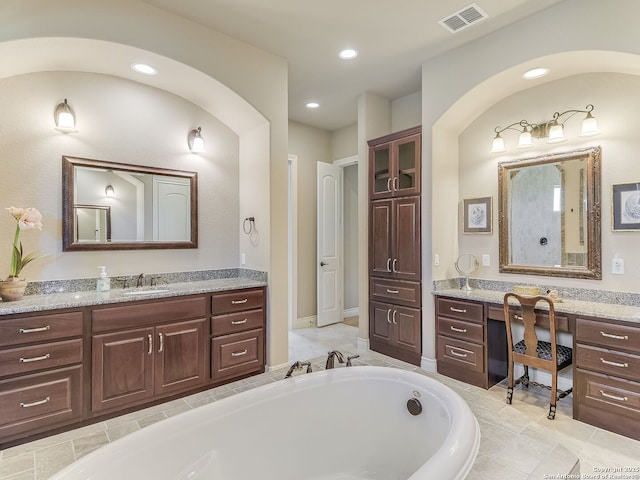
x=528, y=318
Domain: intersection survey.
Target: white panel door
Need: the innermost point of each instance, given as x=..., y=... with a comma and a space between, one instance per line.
x=330, y=239
x=172, y=210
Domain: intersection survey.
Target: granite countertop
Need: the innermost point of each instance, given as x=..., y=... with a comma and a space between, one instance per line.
x=38, y=303
x=614, y=311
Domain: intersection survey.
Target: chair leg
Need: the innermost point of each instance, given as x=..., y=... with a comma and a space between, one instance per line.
x=525, y=377
x=510, y=387
x=554, y=396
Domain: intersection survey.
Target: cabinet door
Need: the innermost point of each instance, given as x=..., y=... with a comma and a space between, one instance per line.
x=380, y=324
x=380, y=256
x=406, y=239
x=181, y=361
x=406, y=322
x=406, y=153
x=122, y=368
x=380, y=171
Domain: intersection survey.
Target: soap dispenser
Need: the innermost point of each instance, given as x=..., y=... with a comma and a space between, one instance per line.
x=104, y=282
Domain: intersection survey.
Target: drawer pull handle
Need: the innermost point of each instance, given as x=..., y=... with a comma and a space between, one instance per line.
x=35, y=330
x=459, y=330
x=458, y=310
x=389, y=184
x=35, y=404
x=239, y=302
x=238, y=322
x=394, y=317
x=161, y=335
x=518, y=317
x=150, y=338
x=614, y=364
x=613, y=397
x=388, y=264
x=35, y=359
x=392, y=291
x=239, y=354
x=616, y=337
x=458, y=354
x=393, y=267
x=389, y=316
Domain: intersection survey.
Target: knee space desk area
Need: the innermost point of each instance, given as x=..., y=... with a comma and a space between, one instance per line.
x=471, y=346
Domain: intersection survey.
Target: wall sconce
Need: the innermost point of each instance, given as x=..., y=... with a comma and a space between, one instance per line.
x=195, y=140
x=108, y=191
x=552, y=130
x=65, y=118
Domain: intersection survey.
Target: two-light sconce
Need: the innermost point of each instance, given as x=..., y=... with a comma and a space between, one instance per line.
x=552, y=130
x=65, y=120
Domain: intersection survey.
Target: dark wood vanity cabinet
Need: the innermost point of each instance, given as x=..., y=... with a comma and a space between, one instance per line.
x=41, y=373
x=395, y=245
x=607, y=375
x=146, y=351
x=238, y=341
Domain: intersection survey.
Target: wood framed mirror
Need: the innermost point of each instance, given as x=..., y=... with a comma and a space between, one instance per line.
x=116, y=206
x=549, y=215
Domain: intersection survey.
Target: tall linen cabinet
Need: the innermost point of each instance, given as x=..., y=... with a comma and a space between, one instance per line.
x=395, y=315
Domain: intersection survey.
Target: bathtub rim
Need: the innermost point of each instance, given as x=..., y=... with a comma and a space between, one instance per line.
x=439, y=465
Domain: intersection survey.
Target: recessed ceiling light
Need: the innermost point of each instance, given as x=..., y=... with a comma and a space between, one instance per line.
x=348, y=54
x=144, y=68
x=535, y=73
x=313, y=105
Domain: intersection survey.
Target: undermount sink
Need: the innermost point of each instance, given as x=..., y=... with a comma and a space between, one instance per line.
x=146, y=292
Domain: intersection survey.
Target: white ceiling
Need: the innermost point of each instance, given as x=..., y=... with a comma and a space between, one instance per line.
x=393, y=38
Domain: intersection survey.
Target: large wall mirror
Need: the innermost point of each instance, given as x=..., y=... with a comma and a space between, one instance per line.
x=549, y=215
x=114, y=206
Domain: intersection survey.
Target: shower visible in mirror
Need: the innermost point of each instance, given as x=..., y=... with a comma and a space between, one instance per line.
x=467, y=265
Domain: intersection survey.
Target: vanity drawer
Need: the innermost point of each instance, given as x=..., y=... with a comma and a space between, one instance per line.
x=237, y=354
x=19, y=331
x=471, y=332
x=462, y=310
x=237, y=322
x=35, y=402
x=607, y=402
x=38, y=357
x=237, y=300
x=148, y=313
x=620, y=337
x=465, y=354
x=542, y=320
x=609, y=362
x=396, y=292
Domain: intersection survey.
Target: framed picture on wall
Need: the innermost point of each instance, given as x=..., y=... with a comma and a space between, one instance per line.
x=477, y=215
x=625, y=204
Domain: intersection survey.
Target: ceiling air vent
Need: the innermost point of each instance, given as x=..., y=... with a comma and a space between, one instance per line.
x=463, y=18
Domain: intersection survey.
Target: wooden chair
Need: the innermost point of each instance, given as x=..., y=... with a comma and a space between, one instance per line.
x=531, y=352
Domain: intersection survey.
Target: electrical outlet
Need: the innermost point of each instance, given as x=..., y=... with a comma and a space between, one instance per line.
x=486, y=260
x=243, y=259
x=436, y=260
x=617, y=266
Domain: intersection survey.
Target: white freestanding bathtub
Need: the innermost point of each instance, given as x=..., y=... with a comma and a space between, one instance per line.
x=345, y=423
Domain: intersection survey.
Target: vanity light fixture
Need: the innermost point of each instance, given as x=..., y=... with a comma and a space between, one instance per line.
x=108, y=191
x=195, y=140
x=64, y=117
x=552, y=130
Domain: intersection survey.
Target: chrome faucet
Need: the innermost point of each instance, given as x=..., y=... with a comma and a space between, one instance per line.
x=331, y=358
x=140, y=280
x=298, y=366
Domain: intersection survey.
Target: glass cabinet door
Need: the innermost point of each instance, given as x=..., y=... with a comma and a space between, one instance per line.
x=382, y=176
x=407, y=169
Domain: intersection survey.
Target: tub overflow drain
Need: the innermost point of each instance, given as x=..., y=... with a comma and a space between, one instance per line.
x=414, y=406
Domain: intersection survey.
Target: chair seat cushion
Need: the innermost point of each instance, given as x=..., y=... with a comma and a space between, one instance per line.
x=544, y=351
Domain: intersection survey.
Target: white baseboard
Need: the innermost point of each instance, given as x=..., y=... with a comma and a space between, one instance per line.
x=428, y=364
x=306, y=322
x=363, y=344
x=271, y=368
x=351, y=312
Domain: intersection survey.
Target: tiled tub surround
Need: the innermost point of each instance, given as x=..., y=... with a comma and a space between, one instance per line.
x=74, y=358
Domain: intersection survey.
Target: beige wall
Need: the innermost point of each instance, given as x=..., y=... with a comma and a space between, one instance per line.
x=310, y=145
x=344, y=142
x=406, y=112
x=119, y=121
x=616, y=98
x=351, y=246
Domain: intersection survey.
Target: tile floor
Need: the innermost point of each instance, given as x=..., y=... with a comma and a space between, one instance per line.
x=518, y=442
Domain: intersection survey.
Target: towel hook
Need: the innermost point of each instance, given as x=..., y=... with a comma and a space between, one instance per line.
x=252, y=226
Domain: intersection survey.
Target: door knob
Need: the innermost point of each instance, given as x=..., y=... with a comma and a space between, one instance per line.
x=322, y=264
